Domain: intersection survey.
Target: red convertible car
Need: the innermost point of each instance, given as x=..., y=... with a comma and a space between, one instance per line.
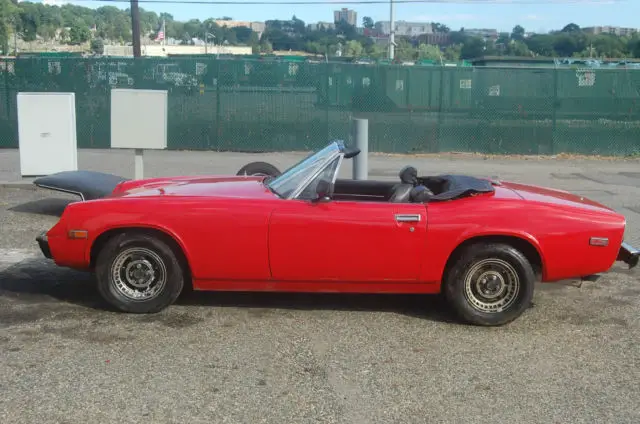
x=480, y=242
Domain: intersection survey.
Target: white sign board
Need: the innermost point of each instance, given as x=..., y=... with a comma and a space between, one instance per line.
x=138, y=119
x=47, y=133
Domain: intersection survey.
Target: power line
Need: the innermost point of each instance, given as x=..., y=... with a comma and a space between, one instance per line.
x=325, y=3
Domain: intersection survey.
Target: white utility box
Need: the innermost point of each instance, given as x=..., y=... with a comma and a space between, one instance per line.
x=138, y=119
x=47, y=133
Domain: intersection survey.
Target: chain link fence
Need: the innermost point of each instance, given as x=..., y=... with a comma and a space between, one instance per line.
x=271, y=105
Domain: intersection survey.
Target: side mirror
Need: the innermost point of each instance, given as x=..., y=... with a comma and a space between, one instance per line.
x=323, y=191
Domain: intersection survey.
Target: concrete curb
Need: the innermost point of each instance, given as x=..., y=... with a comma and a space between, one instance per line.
x=25, y=185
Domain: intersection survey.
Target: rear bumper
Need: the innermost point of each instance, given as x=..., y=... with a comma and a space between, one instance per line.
x=43, y=242
x=629, y=255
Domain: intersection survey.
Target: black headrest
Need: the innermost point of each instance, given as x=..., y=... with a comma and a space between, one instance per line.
x=409, y=175
x=351, y=152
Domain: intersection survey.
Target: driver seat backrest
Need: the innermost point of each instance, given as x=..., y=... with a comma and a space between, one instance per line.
x=401, y=193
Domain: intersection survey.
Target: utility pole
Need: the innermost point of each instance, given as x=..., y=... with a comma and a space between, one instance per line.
x=135, y=28
x=392, y=32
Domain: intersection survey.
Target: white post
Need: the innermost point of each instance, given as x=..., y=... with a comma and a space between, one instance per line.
x=361, y=138
x=139, y=164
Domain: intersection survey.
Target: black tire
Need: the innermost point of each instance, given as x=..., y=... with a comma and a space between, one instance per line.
x=259, y=168
x=512, y=272
x=156, y=252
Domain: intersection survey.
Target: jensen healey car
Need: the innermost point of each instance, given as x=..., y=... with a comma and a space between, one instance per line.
x=480, y=242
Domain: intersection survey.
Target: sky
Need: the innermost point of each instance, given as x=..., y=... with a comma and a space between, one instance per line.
x=544, y=16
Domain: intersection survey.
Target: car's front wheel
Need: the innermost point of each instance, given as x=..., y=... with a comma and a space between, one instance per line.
x=490, y=284
x=138, y=273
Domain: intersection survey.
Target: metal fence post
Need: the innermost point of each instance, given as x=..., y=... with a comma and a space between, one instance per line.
x=361, y=138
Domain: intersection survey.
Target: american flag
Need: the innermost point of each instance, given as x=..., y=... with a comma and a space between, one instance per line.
x=160, y=34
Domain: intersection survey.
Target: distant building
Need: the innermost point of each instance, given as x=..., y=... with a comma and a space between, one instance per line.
x=320, y=25
x=347, y=15
x=483, y=32
x=370, y=32
x=257, y=27
x=404, y=28
x=438, y=39
x=621, y=32
x=164, y=51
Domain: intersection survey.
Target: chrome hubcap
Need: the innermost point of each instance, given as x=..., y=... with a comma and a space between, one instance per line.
x=491, y=285
x=139, y=273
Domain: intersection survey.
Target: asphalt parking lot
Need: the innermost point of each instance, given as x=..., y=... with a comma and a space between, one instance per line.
x=282, y=358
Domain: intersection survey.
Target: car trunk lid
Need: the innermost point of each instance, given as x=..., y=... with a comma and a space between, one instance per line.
x=555, y=196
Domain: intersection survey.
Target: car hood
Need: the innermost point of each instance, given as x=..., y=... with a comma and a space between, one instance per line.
x=200, y=186
x=554, y=196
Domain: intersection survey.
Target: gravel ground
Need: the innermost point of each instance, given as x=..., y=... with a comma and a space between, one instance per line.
x=281, y=358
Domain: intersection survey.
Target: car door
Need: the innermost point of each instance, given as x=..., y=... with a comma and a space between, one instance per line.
x=347, y=241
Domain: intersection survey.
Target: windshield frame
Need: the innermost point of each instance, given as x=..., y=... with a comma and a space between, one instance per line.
x=309, y=167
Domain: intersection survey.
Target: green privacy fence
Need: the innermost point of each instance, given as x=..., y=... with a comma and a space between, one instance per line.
x=271, y=105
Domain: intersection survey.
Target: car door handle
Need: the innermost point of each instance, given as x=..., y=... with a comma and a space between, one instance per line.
x=408, y=217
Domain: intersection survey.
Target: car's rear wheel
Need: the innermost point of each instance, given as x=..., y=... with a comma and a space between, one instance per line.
x=138, y=273
x=259, y=169
x=490, y=284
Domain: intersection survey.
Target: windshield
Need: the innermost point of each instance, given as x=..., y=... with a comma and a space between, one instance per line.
x=290, y=180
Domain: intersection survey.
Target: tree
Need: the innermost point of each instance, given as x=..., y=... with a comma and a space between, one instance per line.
x=429, y=52
x=542, y=44
x=452, y=53
x=97, y=46
x=346, y=29
x=404, y=51
x=113, y=25
x=193, y=27
x=375, y=51
x=518, y=33
x=473, y=47
x=606, y=45
x=566, y=44
x=297, y=26
x=633, y=45
x=9, y=18
x=353, y=49
x=440, y=28
x=79, y=33
x=29, y=21
x=571, y=28
x=266, y=47
x=458, y=37
x=517, y=48
x=242, y=34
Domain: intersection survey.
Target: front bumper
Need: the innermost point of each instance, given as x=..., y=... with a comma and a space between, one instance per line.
x=629, y=255
x=43, y=242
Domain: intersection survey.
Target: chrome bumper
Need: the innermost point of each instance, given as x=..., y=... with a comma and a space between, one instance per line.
x=43, y=242
x=629, y=255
